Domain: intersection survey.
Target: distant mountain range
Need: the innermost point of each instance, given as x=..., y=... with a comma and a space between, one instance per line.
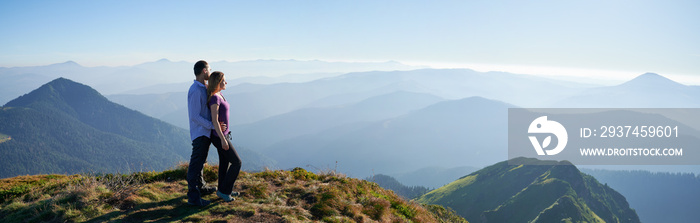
x=557, y=192
x=170, y=107
x=68, y=127
x=259, y=101
x=138, y=78
x=648, y=90
x=471, y=130
x=256, y=102
x=449, y=133
x=315, y=120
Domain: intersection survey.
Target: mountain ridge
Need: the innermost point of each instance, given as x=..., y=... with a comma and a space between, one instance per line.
x=532, y=193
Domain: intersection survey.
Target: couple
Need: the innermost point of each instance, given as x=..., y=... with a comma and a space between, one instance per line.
x=209, y=120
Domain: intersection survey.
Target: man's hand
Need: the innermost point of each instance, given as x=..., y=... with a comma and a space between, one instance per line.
x=223, y=126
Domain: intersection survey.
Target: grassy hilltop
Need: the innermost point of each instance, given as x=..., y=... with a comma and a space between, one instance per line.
x=548, y=192
x=269, y=196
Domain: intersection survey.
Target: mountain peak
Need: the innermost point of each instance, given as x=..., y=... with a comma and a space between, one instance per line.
x=67, y=64
x=65, y=83
x=650, y=79
x=62, y=80
x=58, y=93
x=651, y=76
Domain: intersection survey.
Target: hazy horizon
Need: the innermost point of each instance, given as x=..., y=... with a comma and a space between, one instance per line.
x=599, y=39
x=585, y=76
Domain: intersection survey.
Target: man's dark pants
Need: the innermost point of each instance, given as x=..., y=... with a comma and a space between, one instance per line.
x=195, y=178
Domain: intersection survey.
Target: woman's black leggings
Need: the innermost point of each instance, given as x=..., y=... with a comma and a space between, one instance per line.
x=229, y=165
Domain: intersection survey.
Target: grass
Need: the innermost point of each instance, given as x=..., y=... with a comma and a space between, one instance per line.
x=438, y=194
x=268, y=196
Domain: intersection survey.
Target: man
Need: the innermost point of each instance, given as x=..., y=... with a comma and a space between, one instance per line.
x=200, y=128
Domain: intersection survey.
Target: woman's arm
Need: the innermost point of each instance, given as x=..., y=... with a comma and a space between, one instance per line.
x=215, y=122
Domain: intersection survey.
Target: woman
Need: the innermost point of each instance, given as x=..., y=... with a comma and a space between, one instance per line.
x=229, y=162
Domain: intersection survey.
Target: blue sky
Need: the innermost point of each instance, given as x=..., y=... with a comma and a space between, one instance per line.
x=627, y=37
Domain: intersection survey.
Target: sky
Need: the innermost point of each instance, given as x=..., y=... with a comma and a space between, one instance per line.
x=605, y=39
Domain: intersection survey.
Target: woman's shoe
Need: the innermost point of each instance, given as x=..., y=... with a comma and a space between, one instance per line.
x=235, y=194
x=225, y=197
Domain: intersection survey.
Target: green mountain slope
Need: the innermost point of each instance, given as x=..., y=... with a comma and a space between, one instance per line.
x=532, y=193
x=47, y=142
x=91, y=108
x=67, y=127
x=269, y=196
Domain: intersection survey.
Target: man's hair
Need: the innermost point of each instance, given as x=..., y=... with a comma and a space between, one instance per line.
x=199, y=66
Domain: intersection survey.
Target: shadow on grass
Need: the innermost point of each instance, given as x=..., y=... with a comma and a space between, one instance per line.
x=175, y=209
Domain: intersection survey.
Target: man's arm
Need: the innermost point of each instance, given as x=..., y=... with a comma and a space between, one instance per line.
x=194, y=102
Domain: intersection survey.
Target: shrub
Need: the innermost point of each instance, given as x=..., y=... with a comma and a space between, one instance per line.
x=301, y=174
x=269, y=174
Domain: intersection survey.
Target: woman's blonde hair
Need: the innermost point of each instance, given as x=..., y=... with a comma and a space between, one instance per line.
x=214, y=82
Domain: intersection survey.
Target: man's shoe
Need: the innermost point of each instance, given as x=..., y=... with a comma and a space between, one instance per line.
x=206, y=190
x=225, y=197
x=235, y=194
x=200, y=203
